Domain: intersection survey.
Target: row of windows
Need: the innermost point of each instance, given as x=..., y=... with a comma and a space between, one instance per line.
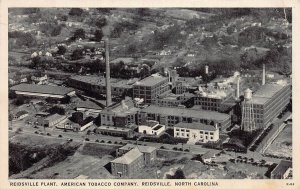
x=201, y=132
x=201, y=136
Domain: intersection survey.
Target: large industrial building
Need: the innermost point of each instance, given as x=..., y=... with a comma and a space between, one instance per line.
x=218, y=92
x=150, y=88
x=44, y=91
x=96, y=84
x=122, y=114
x=174, y=100
x=171, y=116
x=264, y=105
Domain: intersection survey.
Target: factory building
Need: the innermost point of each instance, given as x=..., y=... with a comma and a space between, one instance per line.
x=150, y=88
x=96, y=84
x=114, y=131
x=128, y=164
x=151, y=127
x=149, y=152
x=173, y=100
x=197, y=132
x=43, y=91
x=283, y=170
x=51, y=120
x=121, y=115
x=172, y=116
x=266, y=104
x=131, y=160
x=217, y=93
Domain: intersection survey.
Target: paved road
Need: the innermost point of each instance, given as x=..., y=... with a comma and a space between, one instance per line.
x=81, y=136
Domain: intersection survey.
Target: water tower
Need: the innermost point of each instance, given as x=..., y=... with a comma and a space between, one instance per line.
x=248, y=122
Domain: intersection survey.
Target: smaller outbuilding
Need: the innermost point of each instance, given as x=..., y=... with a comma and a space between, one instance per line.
x=151, y=127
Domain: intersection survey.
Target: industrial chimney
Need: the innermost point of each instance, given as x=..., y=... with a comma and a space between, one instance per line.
x=264, y=75
x=238, y=87
x=107, y=78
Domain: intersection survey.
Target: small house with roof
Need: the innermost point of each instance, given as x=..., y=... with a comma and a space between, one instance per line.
x=151, y=127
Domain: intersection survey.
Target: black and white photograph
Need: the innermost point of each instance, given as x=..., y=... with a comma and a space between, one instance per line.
x=150, y=93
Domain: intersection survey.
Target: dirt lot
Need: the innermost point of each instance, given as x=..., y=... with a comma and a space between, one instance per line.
x=282, y=145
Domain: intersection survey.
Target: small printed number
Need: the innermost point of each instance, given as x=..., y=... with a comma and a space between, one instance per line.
x=290, y=184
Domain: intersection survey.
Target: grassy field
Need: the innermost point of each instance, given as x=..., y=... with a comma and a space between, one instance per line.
x=282, y=145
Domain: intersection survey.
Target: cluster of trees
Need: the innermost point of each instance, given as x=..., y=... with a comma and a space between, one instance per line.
x=121, y=27
x=41, y=62
x=23, y=39
x=57, y=110
x=169, y=36
x=76, y=12
x=51, y=28
x=77, y=117
x=277, y=58
x=20, y=100
x=263, y=14
x=179, y=174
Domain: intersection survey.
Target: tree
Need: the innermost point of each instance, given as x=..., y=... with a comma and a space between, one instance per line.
x=143, y=12
x=26, y=39
x=77, y=54
x=98, y=35
x=63, y=18
x=20, y=100
x=61, y=50
x=57, y=110
x=132, y=48
x=76, y=12
x=12, y=94
x=101, y=22
x=77, y=117
x=177, y=175
x=79, y=33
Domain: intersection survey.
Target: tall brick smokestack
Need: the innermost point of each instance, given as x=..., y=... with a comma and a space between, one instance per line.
x=107, y=78
x=264, y=75
x=238, y=88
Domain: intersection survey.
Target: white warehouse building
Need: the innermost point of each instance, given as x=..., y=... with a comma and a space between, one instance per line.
x=151, y=128
x=197, y=132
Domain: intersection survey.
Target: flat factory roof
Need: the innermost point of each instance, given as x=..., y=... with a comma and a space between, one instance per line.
x=151, y=80
x=266, y=92
x=100, y=81
x=109, y=128
x=121, y=109
x=202, y=114
x=89, y=105
x=199, y=126
x=44, y=89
